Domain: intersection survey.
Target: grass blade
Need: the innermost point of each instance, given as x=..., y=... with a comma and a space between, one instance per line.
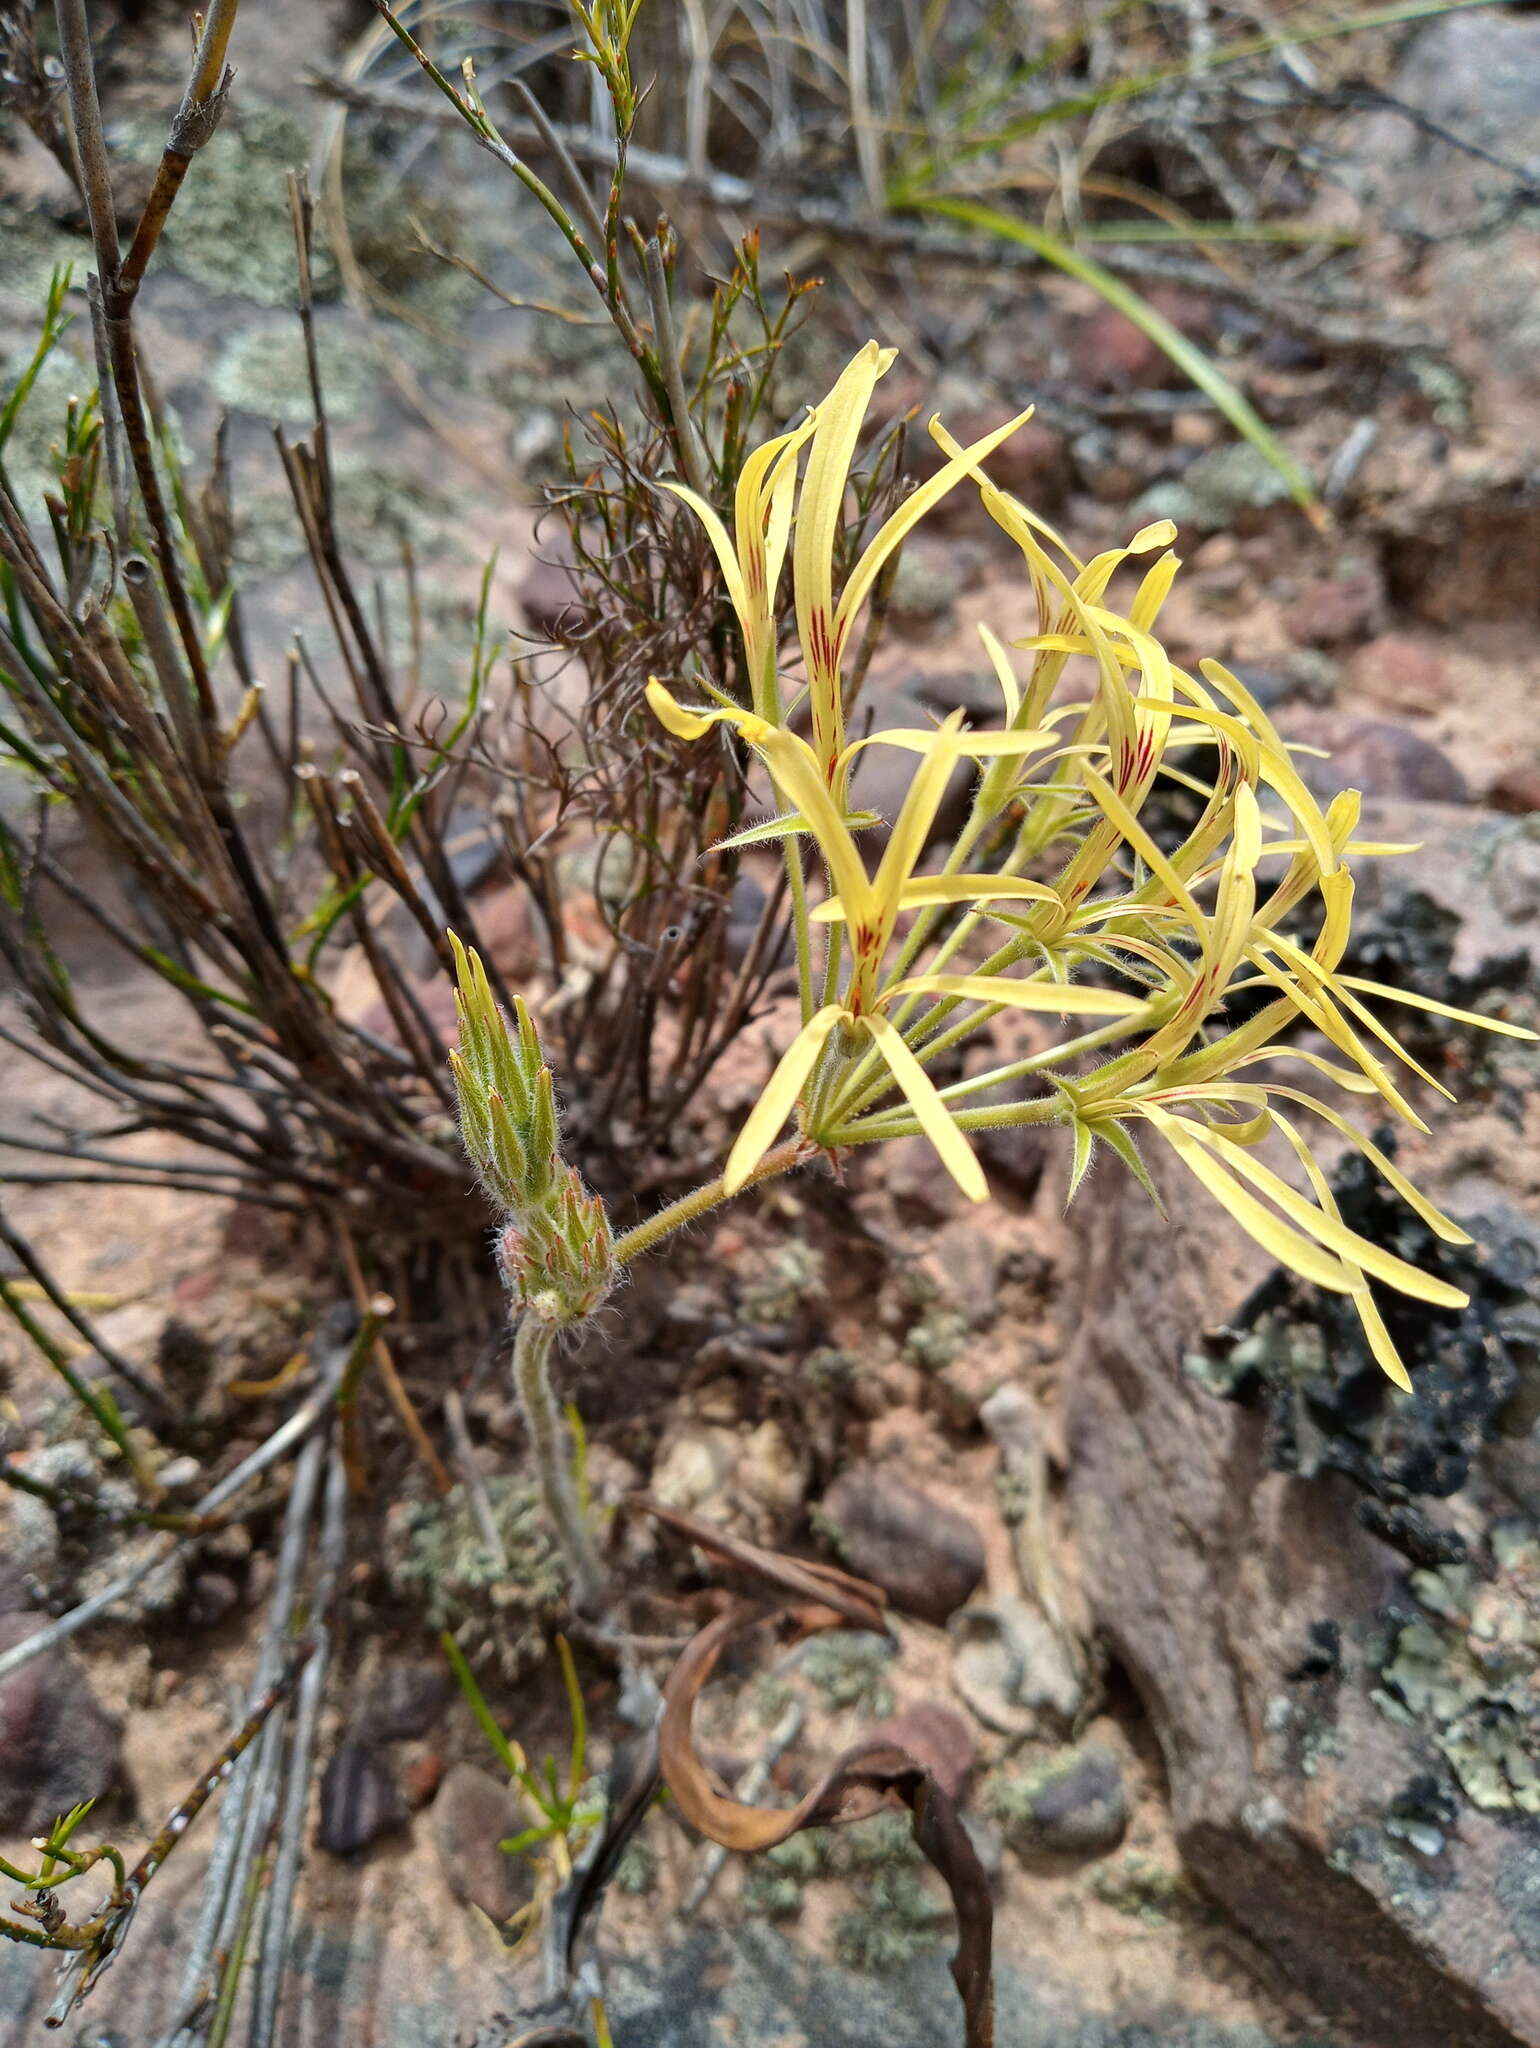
x=1189, y=359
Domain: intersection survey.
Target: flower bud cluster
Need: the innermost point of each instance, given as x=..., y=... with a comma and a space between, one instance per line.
x=554, y=1244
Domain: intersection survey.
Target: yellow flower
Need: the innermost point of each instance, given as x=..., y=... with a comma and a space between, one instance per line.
x=1180, y=930
x=870, y=907
x=824, y=626
x=751, y=557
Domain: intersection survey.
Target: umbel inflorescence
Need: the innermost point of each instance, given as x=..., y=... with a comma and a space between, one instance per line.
x=1056, y=896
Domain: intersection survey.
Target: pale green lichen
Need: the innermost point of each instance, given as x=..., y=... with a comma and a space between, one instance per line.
x=230, y=229
x=377, y=514
x=1136, y=1884
x=786, y=1284
x=898, y=1919
x=637, y=1870
x=34, y=249
x=1470, y=1672
x=261, y=370
x=779, y=1879
x=850, y=1671
x=441, y=1564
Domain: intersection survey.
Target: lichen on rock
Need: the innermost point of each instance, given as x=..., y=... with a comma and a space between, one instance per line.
x=1468, y=1669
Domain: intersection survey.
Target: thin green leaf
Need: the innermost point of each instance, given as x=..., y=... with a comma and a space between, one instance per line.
x=1188, y=358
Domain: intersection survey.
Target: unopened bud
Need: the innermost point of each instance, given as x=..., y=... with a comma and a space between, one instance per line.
x=554, y=1248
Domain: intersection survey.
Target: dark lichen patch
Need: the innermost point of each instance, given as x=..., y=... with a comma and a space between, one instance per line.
x=1468, y=1670
x=1300, y=1357
x=1412, y=1882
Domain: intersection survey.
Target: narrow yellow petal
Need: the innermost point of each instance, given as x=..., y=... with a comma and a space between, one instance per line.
x=1441, y=1225
x=1064, y=1000
x=1381, y=1343
x=1158, y=534
x=923, y=892
x=1277, y=1238
x=1414, y=1001
x=1335, y=1235
x=1118, y=814
x=820, y=509
x=726, y=553
x=919, y=1090
x=962, y=744
x=683, y=724
x=916, y=815
x=914, y=508
x=781, y=1091
x=800, y=779
x=1010, y=689
x=1153, y=592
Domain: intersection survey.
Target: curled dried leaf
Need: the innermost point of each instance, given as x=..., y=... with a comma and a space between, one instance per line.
x=864, y=1781
x=822, y=1586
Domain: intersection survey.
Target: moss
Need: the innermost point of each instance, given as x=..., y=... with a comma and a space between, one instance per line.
x=772, y=1895
x=936, y=1339
x=1468, y=1672
x=829, y=1371
x=779, y=1879
x=1215, y=489
x=440, y=1564
x=850, y=1670
x=885, y=1842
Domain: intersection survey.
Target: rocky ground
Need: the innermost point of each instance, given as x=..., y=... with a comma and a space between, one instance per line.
x=1233, y=1662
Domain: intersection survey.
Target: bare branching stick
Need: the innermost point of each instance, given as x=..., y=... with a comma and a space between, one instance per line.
x=317, y=1405
x=102, y=1409
x=248, y=1807
x=288, y=1851
x=196, y=119
x=123, y=1368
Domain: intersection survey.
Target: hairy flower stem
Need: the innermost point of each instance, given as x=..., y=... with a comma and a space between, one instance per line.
x=690, y=1207
x=533, y=1342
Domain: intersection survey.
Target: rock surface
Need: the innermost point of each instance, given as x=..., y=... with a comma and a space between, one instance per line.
x=473, y=1813
x=1212, y=1577
x=1070, y=1804
x=359, y=1801
x=926, y=1556
x=57, y=1745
